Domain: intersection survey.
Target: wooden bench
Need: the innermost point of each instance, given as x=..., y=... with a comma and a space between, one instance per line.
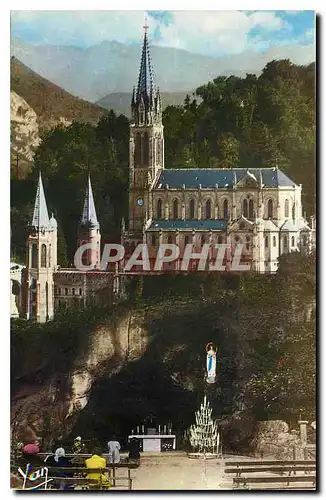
x=80, y=474
x=277, y=467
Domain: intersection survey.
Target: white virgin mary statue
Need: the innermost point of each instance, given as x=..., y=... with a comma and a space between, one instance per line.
x=211, y=363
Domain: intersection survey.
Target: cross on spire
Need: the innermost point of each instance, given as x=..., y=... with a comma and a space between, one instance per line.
x=145, y=25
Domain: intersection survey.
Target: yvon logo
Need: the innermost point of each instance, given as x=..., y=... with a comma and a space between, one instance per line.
x=34, y=476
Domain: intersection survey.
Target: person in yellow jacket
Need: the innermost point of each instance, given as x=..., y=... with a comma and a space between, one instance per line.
x=97, y=462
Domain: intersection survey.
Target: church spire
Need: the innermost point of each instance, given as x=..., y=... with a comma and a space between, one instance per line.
x=145, y=80
x=89, y=213
x=146, y=103
x=40, y=215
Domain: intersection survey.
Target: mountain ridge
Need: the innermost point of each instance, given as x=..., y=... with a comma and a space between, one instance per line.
x=113, y=67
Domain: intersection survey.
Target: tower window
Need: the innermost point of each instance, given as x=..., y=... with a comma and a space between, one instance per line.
x=251, y=209
x=285, y=241
x=145, y=148
x=208, y=209
x=219, y=240
x=170, y=239
x=274, y=241
x=66, y=291
x=186, y=240
x=138, y=150
x=192, y=209
x=59, y=291
x=270, y=209
x=304, y=240
x=292, y=241
x=175, y=209
x=50, y=256
x=43, y=255
x=34, y=256
x=73, y=291
x=266, y=241
x=286, y=208
x=225, y=209
x=245, y=208
x=159, y=209
x=293, y=211
x=80, y=291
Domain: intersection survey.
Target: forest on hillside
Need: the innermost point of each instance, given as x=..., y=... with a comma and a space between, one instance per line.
x=248, y=122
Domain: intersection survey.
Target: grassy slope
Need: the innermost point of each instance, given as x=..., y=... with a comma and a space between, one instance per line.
x=49, y=101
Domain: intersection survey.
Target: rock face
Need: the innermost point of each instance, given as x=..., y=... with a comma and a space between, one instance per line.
x=66, y=395
x=273, y=439
x=24, y=127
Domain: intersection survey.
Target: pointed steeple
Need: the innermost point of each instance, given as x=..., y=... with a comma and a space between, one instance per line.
x=40, y=215
x=146, y=103
x=145, y=80
x=89, y=213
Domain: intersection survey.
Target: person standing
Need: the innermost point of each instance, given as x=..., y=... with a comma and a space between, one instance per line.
x=114, y=451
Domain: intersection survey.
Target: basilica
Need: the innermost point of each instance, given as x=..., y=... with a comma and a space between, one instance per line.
x=257, y=208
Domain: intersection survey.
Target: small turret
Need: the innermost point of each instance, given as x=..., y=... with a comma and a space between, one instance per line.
x=89, y=230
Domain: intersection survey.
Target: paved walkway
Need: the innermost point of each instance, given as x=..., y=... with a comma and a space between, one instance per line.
x=175, y=471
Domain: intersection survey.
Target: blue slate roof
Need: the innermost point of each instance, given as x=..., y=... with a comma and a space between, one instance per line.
x=40, y=215
x=89, y=212
x=224, y=178
x=189, y=224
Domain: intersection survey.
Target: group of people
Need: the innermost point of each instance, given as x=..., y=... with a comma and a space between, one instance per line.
x=96, y=461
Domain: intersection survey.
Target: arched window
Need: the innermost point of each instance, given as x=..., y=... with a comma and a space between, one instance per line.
x=217, y=212
x=270, y=209
x=274, y=241
x=225, y=209
x=266, y=241
x=186, y=240
x=159, y=151
x=202, y=240
x=304, y=240
x=208, y=209
x=43, y=255
x=293, y=211
x=251, y=209
x=286, y=208
x=50, y=255
x=292, y=241
x=159, y=209
x=80, y=291
x=138, y=150
x=66, y=291
x=220, y=240
x=34, y=256
x=145, y=148
x=245, y=208
x=175, y=209
x=285, y=242
x=192, y=209
x=73, y=291
x=170, y=239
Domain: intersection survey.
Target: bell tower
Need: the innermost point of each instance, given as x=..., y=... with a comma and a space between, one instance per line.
x=146, y=145
x=41, y=261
